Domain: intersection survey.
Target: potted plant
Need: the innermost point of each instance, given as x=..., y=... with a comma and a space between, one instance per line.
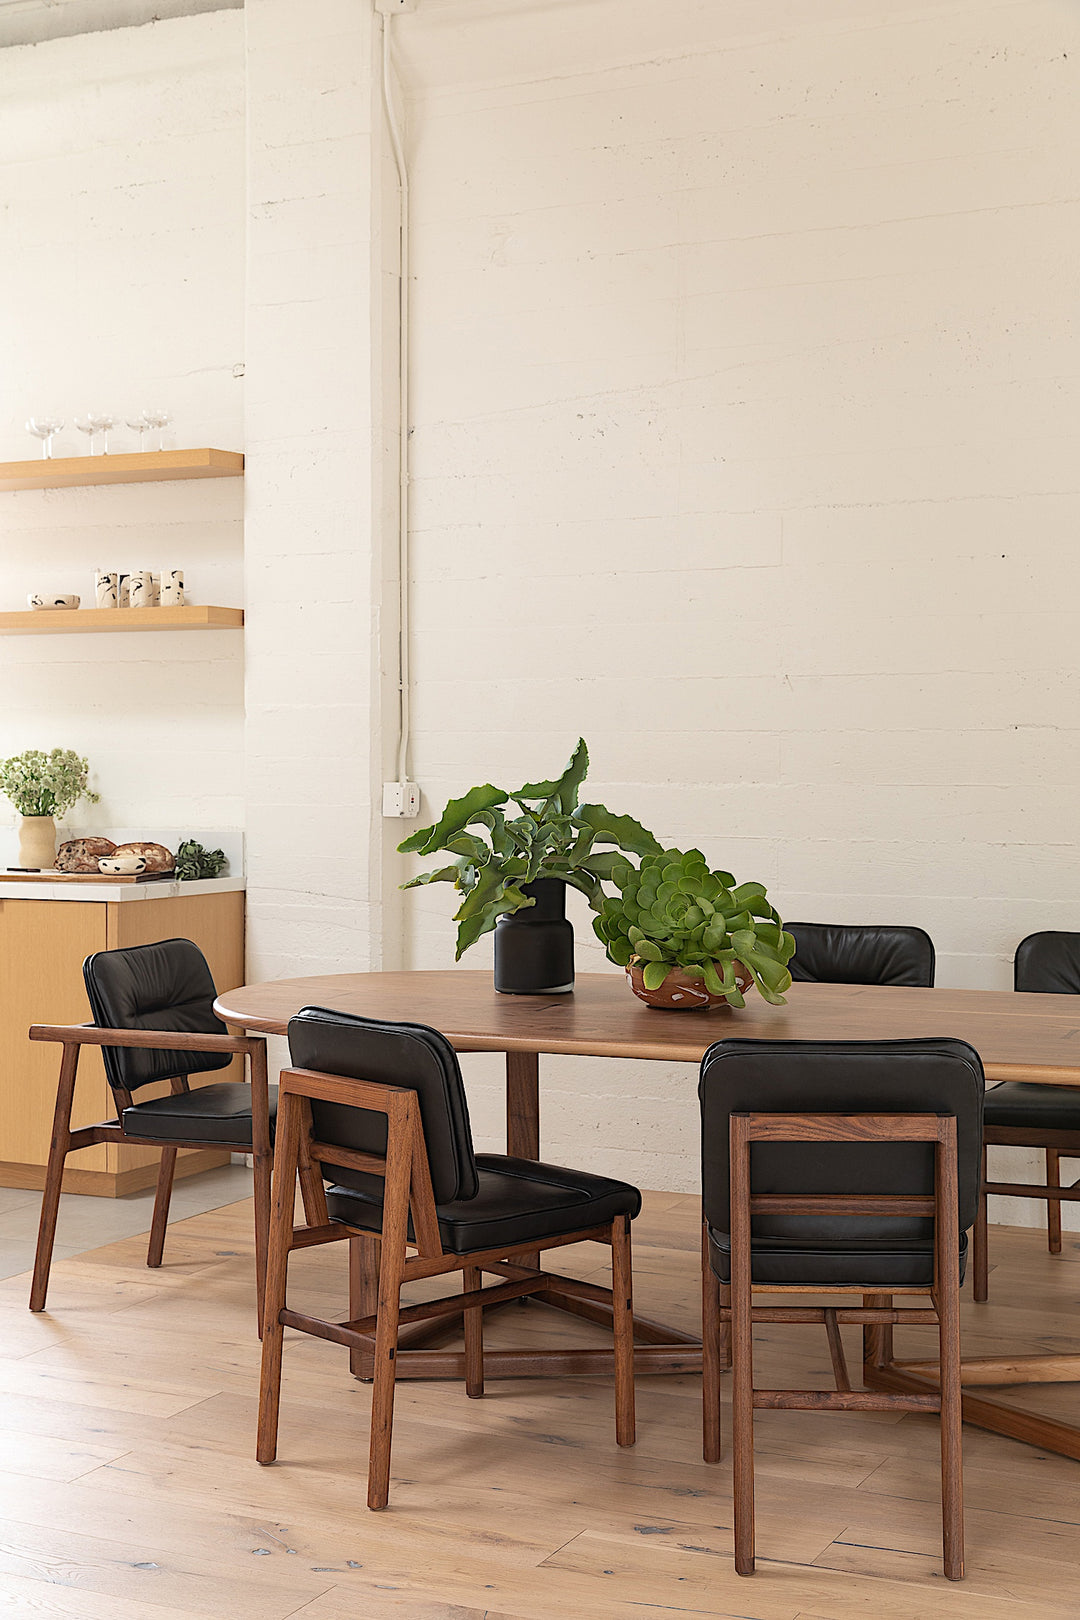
x=514, y=853
x=42, y=786
x=690, y=938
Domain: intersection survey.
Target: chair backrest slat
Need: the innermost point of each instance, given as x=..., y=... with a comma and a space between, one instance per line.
x=392, y=1054
x=164, y=986
x=844, y=953
x=839, y=1077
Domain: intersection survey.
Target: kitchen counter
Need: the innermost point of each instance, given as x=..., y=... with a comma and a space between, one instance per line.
x=159, y=889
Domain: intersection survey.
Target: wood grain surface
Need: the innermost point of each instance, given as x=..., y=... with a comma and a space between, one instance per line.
x=1018, y=1036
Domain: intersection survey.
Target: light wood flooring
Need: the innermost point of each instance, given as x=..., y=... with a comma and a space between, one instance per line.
x=128, y=1489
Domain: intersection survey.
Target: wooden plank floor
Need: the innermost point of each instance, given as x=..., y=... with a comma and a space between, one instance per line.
x=128, y=1489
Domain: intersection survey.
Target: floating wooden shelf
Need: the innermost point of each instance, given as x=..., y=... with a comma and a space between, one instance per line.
x=141, y=467
x=80, y=621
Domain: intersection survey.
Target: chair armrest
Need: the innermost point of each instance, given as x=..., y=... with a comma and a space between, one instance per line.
x=162, y=1040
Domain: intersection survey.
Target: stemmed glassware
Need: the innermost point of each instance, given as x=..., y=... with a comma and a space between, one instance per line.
x=101, y=422
x=160, y=420
x=45, y=428
x=139, y=425
x=84, y=425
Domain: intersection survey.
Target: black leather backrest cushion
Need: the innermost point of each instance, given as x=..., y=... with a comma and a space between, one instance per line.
x=410, y=1055
x=163, y=986
x=1048, y=962
x=839, y=1077
x=838, y=953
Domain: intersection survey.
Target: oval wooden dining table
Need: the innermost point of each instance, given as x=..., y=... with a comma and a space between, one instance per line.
x=1034, y=1038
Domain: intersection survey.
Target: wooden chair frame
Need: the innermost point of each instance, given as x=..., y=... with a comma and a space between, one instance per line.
x=729, y=1314
x=407, y=1193
x=73, y=1037
x=1057, y=1145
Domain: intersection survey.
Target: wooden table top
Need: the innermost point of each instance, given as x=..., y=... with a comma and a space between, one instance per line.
x=1018, y=1036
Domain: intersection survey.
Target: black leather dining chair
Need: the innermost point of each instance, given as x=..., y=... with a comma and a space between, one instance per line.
x=848, y=1167
x=1021, y=1114
x=154, y=1022
x=843, y=953
x=382, y=1107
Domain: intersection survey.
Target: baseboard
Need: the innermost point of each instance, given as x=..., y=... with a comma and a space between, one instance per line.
x=108, y=1183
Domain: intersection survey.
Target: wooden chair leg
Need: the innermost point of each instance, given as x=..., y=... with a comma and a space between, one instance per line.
x=1053, y=1205
x=263, y=1157
x=363, y=1295
x=877, y=1337
x=280, y=1239
x=725, y=1328
x=947, y=1304
x=472, y=1277
x=54, y=1176
x=311, y=1187
x=980, y=1256
x=162, y=1200
x=711, y=1440
x=395, y=1227
x=622, y=1312
x=742, y=1350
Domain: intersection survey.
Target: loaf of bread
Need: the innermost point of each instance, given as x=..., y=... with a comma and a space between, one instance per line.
x=156, y=856
x=83, y=854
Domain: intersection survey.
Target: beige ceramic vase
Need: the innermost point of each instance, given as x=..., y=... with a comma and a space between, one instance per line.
x=37, y=842
x=679, y=993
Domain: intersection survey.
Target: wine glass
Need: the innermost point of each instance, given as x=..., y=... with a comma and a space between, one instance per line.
x=158, y=419
x=45, y=428
x=85, y=425
x=139, y=425
x=101, y=422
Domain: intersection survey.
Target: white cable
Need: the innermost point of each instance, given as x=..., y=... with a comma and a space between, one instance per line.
x=404, y=693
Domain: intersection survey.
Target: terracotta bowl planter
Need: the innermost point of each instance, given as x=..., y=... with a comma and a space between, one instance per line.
x=678, y=993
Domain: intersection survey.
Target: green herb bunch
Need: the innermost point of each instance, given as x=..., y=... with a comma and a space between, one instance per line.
x=497, y=853
x=674, y=912
x=40, y=784
x=193, y=861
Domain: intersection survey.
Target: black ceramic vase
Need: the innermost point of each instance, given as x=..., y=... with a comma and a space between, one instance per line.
x=534, y=948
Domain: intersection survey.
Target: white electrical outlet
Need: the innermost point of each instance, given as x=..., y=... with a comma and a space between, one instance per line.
x=400, y=799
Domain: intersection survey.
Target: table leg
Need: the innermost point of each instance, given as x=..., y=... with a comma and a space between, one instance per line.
x=523, y=1105
x=998, y=1416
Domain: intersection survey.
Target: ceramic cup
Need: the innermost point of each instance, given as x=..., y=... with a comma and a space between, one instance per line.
x=107, y=590
x=38, y=600
x=141, y=589
x=172, y=587
x=156, y=579
x=122, y=865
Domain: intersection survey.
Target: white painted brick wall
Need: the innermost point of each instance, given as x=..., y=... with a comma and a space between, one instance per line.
x=745, y=445
x=121, y=286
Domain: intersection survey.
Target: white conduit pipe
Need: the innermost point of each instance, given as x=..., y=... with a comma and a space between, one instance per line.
x=397, y=145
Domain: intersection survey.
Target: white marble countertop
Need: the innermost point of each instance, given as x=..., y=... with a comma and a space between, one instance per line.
x=160, y=889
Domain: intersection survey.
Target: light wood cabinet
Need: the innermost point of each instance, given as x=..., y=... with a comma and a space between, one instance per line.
x=43, y=944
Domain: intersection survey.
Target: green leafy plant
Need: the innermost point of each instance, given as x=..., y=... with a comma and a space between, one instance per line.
x=40, y=784
x=497, y=853
x=194, y=862
x=673, y=911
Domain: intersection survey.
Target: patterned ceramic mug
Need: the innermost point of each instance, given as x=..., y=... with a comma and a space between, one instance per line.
x=141, y=589
x=172, y=587
x=107, y=590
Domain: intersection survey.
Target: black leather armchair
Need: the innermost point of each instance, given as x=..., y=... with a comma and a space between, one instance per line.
x=841, y=953
x=382, y=1108
x=1019, y=1114
x=836, y=1167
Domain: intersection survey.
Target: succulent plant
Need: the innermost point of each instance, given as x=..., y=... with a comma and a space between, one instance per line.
x=673, y=911
x=553, y=837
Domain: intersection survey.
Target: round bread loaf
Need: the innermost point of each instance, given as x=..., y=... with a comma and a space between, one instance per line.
x=83, y=854
x=156, y=856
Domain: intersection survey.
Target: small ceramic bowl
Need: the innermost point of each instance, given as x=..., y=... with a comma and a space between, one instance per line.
x=122, y=865
x=39, y=601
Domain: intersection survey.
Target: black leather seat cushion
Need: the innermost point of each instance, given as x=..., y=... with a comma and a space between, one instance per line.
x=163, y=986
x=1025, y=1107
x=518, y=1201
x=216, y=1113
x=881, y=1265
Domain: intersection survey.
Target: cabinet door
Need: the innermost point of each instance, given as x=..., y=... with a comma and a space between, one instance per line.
x=43, y=944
